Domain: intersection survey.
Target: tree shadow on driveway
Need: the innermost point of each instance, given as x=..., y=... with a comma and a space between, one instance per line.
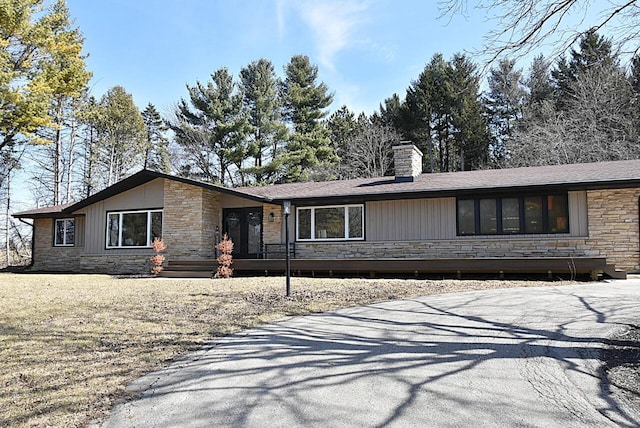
x=518, y=357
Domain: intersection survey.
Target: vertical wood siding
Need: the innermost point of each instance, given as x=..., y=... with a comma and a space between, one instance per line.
x=578, y=222
x=407, y=220
x=148, y=195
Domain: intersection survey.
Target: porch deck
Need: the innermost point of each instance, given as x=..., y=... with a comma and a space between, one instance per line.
x=550, y=266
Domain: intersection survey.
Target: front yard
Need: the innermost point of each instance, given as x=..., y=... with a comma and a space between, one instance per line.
x=69, y=344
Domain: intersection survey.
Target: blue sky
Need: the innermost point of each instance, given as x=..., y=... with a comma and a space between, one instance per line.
x=365, y=49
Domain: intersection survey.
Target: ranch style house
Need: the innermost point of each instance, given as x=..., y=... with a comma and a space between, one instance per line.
x=569, y=219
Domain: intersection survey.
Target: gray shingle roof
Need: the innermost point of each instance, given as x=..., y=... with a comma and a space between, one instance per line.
x=570, y=176
x=42, y=211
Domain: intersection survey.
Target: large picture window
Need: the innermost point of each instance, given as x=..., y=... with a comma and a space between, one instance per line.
x=133, y=228
x=338, y=222
x=65, y=232
x=513, y=215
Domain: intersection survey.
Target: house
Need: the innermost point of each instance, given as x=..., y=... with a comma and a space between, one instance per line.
x=567, y=218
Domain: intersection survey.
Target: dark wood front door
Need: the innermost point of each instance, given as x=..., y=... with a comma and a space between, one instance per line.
x=244, y=228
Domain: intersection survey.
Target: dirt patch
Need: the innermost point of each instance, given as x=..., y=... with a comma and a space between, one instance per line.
x=622, y=366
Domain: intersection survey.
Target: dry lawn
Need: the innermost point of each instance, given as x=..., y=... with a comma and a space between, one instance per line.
x=69, y=344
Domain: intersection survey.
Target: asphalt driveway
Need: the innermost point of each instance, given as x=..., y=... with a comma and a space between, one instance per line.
x=513, y=357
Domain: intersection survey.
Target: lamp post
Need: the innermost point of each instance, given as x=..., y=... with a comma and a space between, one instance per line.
x=286, y=208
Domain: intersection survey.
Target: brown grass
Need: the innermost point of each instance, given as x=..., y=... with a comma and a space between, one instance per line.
x=69, y=344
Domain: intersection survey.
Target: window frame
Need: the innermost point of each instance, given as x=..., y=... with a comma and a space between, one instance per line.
x=347, y=229
x=55, y=232
x=545, y=212
x=120, y=214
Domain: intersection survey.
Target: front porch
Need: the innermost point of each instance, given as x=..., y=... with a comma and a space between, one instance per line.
x=566, y=267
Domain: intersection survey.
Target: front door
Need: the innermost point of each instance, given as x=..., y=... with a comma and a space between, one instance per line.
x=244, y=228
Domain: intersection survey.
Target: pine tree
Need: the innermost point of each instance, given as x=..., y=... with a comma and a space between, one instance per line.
x=157, y=146
x=305, y=101
x=120, y=135
x=211, y=130
x=263, y=106
x=594, y=51
x=39, y=58
x=470, y=134
x=504, y=103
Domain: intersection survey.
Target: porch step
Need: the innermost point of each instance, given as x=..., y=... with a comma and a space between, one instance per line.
x=189, y=269
x=185, y=274
x=612, y=272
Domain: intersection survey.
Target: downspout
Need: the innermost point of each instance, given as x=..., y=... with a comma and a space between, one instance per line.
x=33, y=240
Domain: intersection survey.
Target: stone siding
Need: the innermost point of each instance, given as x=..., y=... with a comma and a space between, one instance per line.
x=614, y=226
x=272, y=230
x=46, y=257
x=117, y=264
x=190, y=217
x=458, y=248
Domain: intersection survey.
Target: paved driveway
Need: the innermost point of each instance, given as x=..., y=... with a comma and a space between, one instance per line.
x=514, y=357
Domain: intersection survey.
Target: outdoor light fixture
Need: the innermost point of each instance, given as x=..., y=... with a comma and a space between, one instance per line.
x=272, y=217
x=286, y=209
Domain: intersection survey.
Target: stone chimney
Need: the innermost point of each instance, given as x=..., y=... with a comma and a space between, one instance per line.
x=407, y=159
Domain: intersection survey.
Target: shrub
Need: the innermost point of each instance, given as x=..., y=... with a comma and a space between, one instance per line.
x=225, y=260
x=157, y=260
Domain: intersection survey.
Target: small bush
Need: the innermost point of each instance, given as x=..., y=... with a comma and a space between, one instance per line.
x=225, y=260
x=157, y=260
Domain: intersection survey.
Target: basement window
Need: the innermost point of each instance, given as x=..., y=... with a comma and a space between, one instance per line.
x=527, y=214
x=65, y=232
x=336, y=222
x=131, y=229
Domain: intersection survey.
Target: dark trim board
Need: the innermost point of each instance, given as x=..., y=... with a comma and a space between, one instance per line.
x=592, y=266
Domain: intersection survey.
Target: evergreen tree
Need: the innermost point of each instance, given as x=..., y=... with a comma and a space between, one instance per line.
x=263, y=105
x=211, y=129
x=343, y=127
x=538, y=83
x=39, y=58
x=425, y=119
x=470, y=134
x=443, y=114
x=594, y=51
x=121, y=141
x=157, y=146
x=305, y=103
x=504, y=103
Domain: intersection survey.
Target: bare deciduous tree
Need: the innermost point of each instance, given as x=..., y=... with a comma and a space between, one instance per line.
x=369, y=152
x=522, y=25
x=598, y=125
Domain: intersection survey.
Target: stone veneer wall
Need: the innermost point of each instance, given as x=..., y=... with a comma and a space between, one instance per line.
x=190, y=217
x=458, y=248
x=614, y=226
x=49, y=258
x=272, y=230
x=613, y=233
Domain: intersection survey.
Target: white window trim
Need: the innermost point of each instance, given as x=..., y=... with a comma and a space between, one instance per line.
x=64, y=234
x=120, y=214
x=346, y=223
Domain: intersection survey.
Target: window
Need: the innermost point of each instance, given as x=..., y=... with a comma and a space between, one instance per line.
x=65, y=232
x=330, y=223
x=513, y=215
x=133, y=228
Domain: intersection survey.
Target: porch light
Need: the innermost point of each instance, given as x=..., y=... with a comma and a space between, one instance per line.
x=272, y=217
